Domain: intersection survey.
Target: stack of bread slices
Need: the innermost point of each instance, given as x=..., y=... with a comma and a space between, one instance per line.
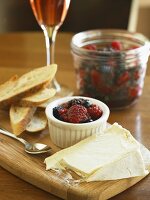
x=26, y=97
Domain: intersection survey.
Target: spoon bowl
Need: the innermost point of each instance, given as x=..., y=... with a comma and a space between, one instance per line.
x=35, y=148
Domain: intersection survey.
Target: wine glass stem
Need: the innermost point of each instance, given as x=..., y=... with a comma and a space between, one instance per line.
x=50, y=37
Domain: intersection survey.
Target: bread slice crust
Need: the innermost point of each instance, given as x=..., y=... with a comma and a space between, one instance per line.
x=20, y=117
x=38, y=98
x=26, y=84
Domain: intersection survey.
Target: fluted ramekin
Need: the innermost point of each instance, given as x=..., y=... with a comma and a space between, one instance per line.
x=64, y=134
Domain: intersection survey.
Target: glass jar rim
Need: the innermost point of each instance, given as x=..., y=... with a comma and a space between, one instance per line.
x=82, y=38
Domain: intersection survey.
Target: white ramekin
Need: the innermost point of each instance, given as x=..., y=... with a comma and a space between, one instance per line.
x=65, y=134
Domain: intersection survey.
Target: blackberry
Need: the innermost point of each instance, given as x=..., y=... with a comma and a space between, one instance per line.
x=76, y=102
x=80, y=101
x=55, y=112
x=58, y=111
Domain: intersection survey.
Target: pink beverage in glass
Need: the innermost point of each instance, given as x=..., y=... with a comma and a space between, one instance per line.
x=50, y=15
x=50, y=12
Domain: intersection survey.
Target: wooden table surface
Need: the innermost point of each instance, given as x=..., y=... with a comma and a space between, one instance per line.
x=20, y=52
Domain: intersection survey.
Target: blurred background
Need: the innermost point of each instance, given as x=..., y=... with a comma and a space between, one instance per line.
x=143, y=17
x=134, y=15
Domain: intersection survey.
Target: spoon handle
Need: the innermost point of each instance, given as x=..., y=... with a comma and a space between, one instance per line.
x=5, y=132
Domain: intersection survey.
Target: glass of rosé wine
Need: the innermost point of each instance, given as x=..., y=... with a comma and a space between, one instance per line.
x=50, y=15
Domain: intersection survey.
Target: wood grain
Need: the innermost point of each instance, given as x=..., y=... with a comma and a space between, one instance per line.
x=20, y=52
x=31, y=168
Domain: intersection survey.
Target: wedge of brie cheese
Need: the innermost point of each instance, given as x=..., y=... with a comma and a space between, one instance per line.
x=115, y=154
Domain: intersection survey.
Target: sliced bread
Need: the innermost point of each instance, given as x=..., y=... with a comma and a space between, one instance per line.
x=9, y=83
x=38, y=98
x=37, y=123
x=20, y=117
x=45, y=103
x=29, y=82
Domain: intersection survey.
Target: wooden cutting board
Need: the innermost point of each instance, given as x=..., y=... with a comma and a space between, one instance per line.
x=31, y=168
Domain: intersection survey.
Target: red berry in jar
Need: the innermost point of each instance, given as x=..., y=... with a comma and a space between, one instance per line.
x=115, y=69
x=116, y=45
x=123, y=78
x=95, y=78
x=136, y=75
x=134, y=92
x=90, y=47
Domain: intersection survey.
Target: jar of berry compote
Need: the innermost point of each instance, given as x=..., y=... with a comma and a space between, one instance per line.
x=110, y=65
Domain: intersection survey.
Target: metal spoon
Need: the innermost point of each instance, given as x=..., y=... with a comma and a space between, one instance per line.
x=36, y=148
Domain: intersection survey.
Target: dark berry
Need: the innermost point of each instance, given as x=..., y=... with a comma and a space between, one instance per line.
x=58, y=111
x=79, y=101
x=95, y=112
x=84, y=102
x=87, y=103
x=65, y=105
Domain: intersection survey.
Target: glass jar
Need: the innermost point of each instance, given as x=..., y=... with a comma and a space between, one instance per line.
x=114, y=76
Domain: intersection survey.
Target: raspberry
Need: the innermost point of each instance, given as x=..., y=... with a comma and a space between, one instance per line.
x=124, y=77
x=116, y=45
x=91, y=47
x=134, y=92
x=78, y=114
x=96, y=78
x=64, y=117
x=136, y=75
x=94, y=111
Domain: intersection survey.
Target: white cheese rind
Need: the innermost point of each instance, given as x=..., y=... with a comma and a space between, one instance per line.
x=128, y=166
x=146, y=156
x=96, y=157
x=100, y=151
